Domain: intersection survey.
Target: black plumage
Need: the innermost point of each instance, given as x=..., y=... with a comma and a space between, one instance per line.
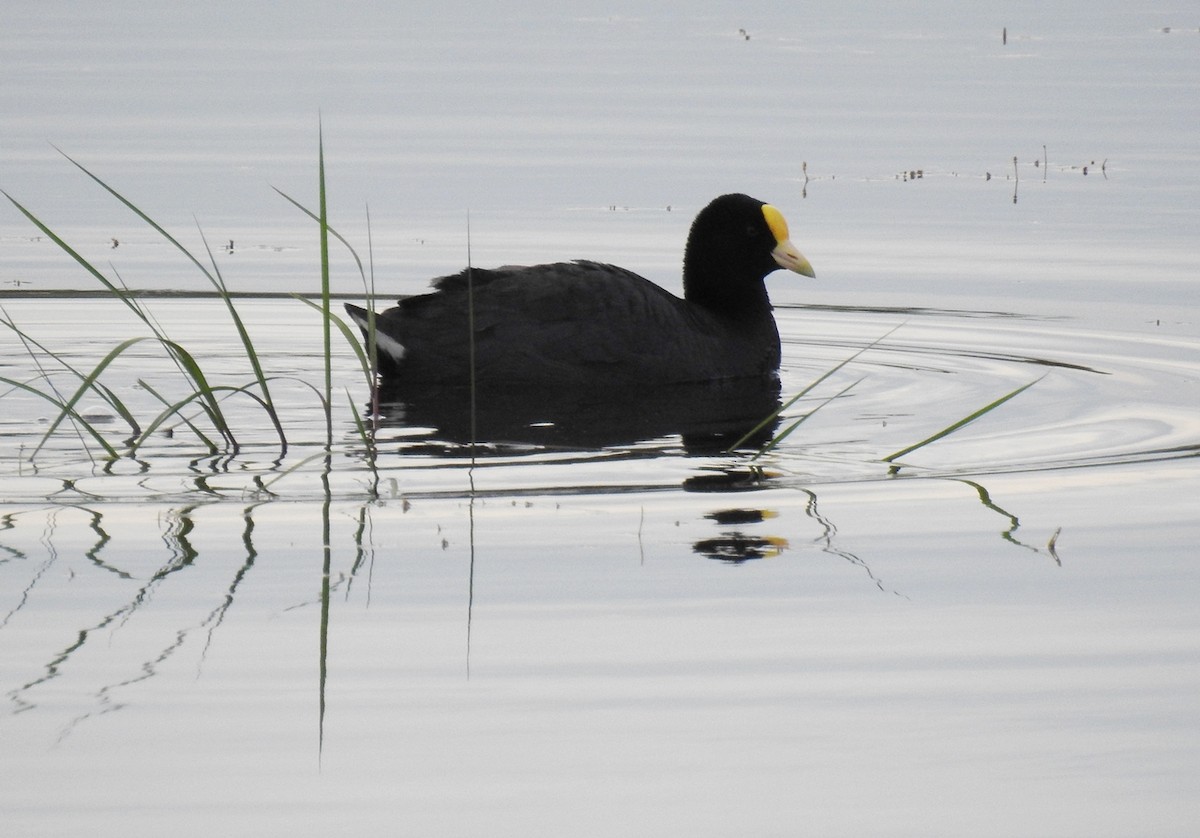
x=589, y=324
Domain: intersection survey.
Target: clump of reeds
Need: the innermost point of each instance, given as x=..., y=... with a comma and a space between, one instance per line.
x=200, y=408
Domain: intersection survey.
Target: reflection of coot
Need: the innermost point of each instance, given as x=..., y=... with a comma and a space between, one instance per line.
x=708, y=416
x=586, y=324
x=728, y=517
x=724, y=480
x=737, y=547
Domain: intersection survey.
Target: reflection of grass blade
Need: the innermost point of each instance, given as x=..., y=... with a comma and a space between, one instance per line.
x=966, y=420
x=277, y=475
x=367, y=439
x=775, y=413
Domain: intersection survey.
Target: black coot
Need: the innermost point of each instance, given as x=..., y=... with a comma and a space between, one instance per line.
x=589, y=324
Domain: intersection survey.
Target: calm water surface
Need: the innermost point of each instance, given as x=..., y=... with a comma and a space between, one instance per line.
x=643, y=635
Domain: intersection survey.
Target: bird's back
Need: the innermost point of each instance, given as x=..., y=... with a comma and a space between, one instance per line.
x=581, y=323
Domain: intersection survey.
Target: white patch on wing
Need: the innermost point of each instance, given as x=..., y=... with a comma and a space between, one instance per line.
x=391, y=347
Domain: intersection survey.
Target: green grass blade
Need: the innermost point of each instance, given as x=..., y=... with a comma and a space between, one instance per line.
x=191, y=368
x=372, y=350
x=213, y=277
x=64, y=411
x=207, y=397
x=176, y=408
x=966, y=420
x=118, y=292
x=780, y=437
x=348, y=333
x=247, y=345
x=172, y=410
x=140, y=214
x=87, y=384
x=30, y=343
x=326, y=332
x=332, y=231
x=364, y=435
x=368, y=283
x=771, y=417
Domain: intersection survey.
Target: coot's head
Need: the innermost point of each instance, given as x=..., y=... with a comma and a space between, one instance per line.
x=734, y=243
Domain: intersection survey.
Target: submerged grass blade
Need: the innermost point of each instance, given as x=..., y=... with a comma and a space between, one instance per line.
x=966, y=420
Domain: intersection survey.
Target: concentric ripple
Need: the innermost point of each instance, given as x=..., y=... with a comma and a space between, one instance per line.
x=1100, y=399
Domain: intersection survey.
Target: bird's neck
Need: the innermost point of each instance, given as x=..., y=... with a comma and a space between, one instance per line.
x=723, y=291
